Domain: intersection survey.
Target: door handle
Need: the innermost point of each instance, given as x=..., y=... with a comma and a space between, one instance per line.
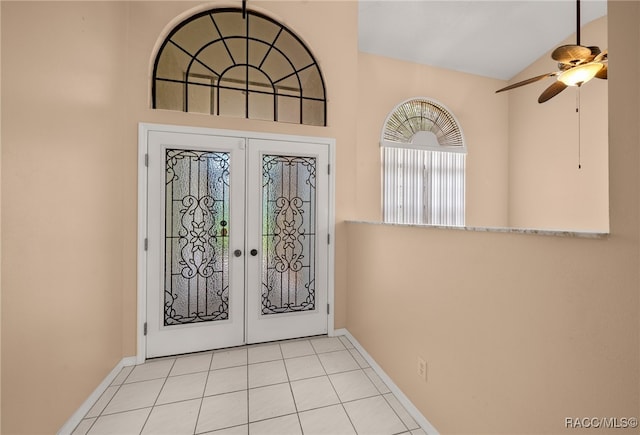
x=237, y=252
x=254, y=252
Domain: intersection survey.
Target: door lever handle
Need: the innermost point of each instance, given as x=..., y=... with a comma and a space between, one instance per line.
x=237, y=252
x=254, y=252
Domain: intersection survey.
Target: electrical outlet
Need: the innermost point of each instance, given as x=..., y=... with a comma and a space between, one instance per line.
x=422, y=369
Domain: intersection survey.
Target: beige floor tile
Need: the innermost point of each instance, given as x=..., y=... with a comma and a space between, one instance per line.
x=150, y=370
x=228, y=358
x=222, y=411
x=374, y=416
x=346, y=342
x=331, y=420
x=235, y=430
x=313, y=393
x=133, y=396
x=401, y=411
x=359, y=358
x=335, y=362
x=191, y=364
x=353, y=385
x=183, y=387
x=83, y=427
x=285, y=425
x=122, y=376
x=263, y=353
x=102, y=402
x=129, y=422
x=327, y=344
x=377, y=381
x=173, y=419
x=292, y=349
x=304, y=367
x=267, y=373
x=271, y=401
x=226, y=380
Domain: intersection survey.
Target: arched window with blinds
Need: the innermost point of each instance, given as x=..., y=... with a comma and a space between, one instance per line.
x=423, y=158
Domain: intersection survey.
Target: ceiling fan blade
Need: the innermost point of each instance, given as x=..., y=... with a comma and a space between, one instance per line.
x=527, y=81
x=603, y=74
x=571, y=54
x=553, y=90
x=601, y=57
x=595, y=52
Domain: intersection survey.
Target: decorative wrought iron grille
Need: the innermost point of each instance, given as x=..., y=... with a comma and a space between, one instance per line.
x=196, y=237
x=218, y=62
x=288, y=234
x=418, y=115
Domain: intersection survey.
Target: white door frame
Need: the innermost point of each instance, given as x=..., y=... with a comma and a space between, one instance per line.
x=143, y=135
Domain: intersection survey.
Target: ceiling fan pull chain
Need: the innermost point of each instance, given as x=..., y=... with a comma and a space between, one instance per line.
x=579, y=127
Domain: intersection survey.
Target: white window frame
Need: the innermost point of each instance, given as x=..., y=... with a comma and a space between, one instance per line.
x=415, y=195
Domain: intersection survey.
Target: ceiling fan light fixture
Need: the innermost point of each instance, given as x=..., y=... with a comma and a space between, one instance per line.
x=580, y=74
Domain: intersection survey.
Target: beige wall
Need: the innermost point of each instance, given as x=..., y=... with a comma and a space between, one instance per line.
x=76, y=83
x=519, y=331
x=0, y=220
x=62, y=211
x=546, y=187
x=384, y=83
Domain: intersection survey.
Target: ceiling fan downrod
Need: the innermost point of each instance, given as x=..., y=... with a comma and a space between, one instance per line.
x=577, y=22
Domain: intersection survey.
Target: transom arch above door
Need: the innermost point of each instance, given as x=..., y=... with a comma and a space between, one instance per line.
x=223, y=62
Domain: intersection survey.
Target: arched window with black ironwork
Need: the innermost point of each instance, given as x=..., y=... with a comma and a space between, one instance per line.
x=423, y=158
x=223, y=63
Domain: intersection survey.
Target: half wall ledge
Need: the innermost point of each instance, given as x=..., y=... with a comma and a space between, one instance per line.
x=538, y=232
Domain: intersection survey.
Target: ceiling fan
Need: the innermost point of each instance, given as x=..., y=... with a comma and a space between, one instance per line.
x=577, y=64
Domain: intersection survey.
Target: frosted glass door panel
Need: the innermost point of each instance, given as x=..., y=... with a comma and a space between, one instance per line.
x=196, y=237
x=287, y=231
x=195, y=285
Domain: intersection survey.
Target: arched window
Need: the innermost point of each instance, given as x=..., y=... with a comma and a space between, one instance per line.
x=423, y=155
x=221, y=63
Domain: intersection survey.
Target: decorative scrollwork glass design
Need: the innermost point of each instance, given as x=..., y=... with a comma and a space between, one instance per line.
x=221, y=63
x=288, y=234
x=196, y=237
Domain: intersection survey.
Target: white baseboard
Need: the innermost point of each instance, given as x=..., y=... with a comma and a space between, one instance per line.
x=404, y=400
x=76, y=418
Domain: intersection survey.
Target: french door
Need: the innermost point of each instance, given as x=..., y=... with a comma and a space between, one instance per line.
x=237, y=241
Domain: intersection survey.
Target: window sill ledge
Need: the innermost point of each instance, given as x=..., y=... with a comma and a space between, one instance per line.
x=538, y=232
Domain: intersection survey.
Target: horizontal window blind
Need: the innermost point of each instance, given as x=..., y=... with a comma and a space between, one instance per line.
x=423, y=187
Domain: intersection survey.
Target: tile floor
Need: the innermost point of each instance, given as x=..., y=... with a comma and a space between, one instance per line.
x=308, y=386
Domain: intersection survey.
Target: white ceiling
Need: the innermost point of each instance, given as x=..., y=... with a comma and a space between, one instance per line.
x=492, y=38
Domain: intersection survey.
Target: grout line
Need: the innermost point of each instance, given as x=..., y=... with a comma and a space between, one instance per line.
x=337, y=395
x=247, y=392
x=204, y=392
x=158, y=395
x=293, y=396
x=396, y=413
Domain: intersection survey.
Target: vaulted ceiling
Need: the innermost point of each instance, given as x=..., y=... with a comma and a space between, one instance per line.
x=492, y=38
